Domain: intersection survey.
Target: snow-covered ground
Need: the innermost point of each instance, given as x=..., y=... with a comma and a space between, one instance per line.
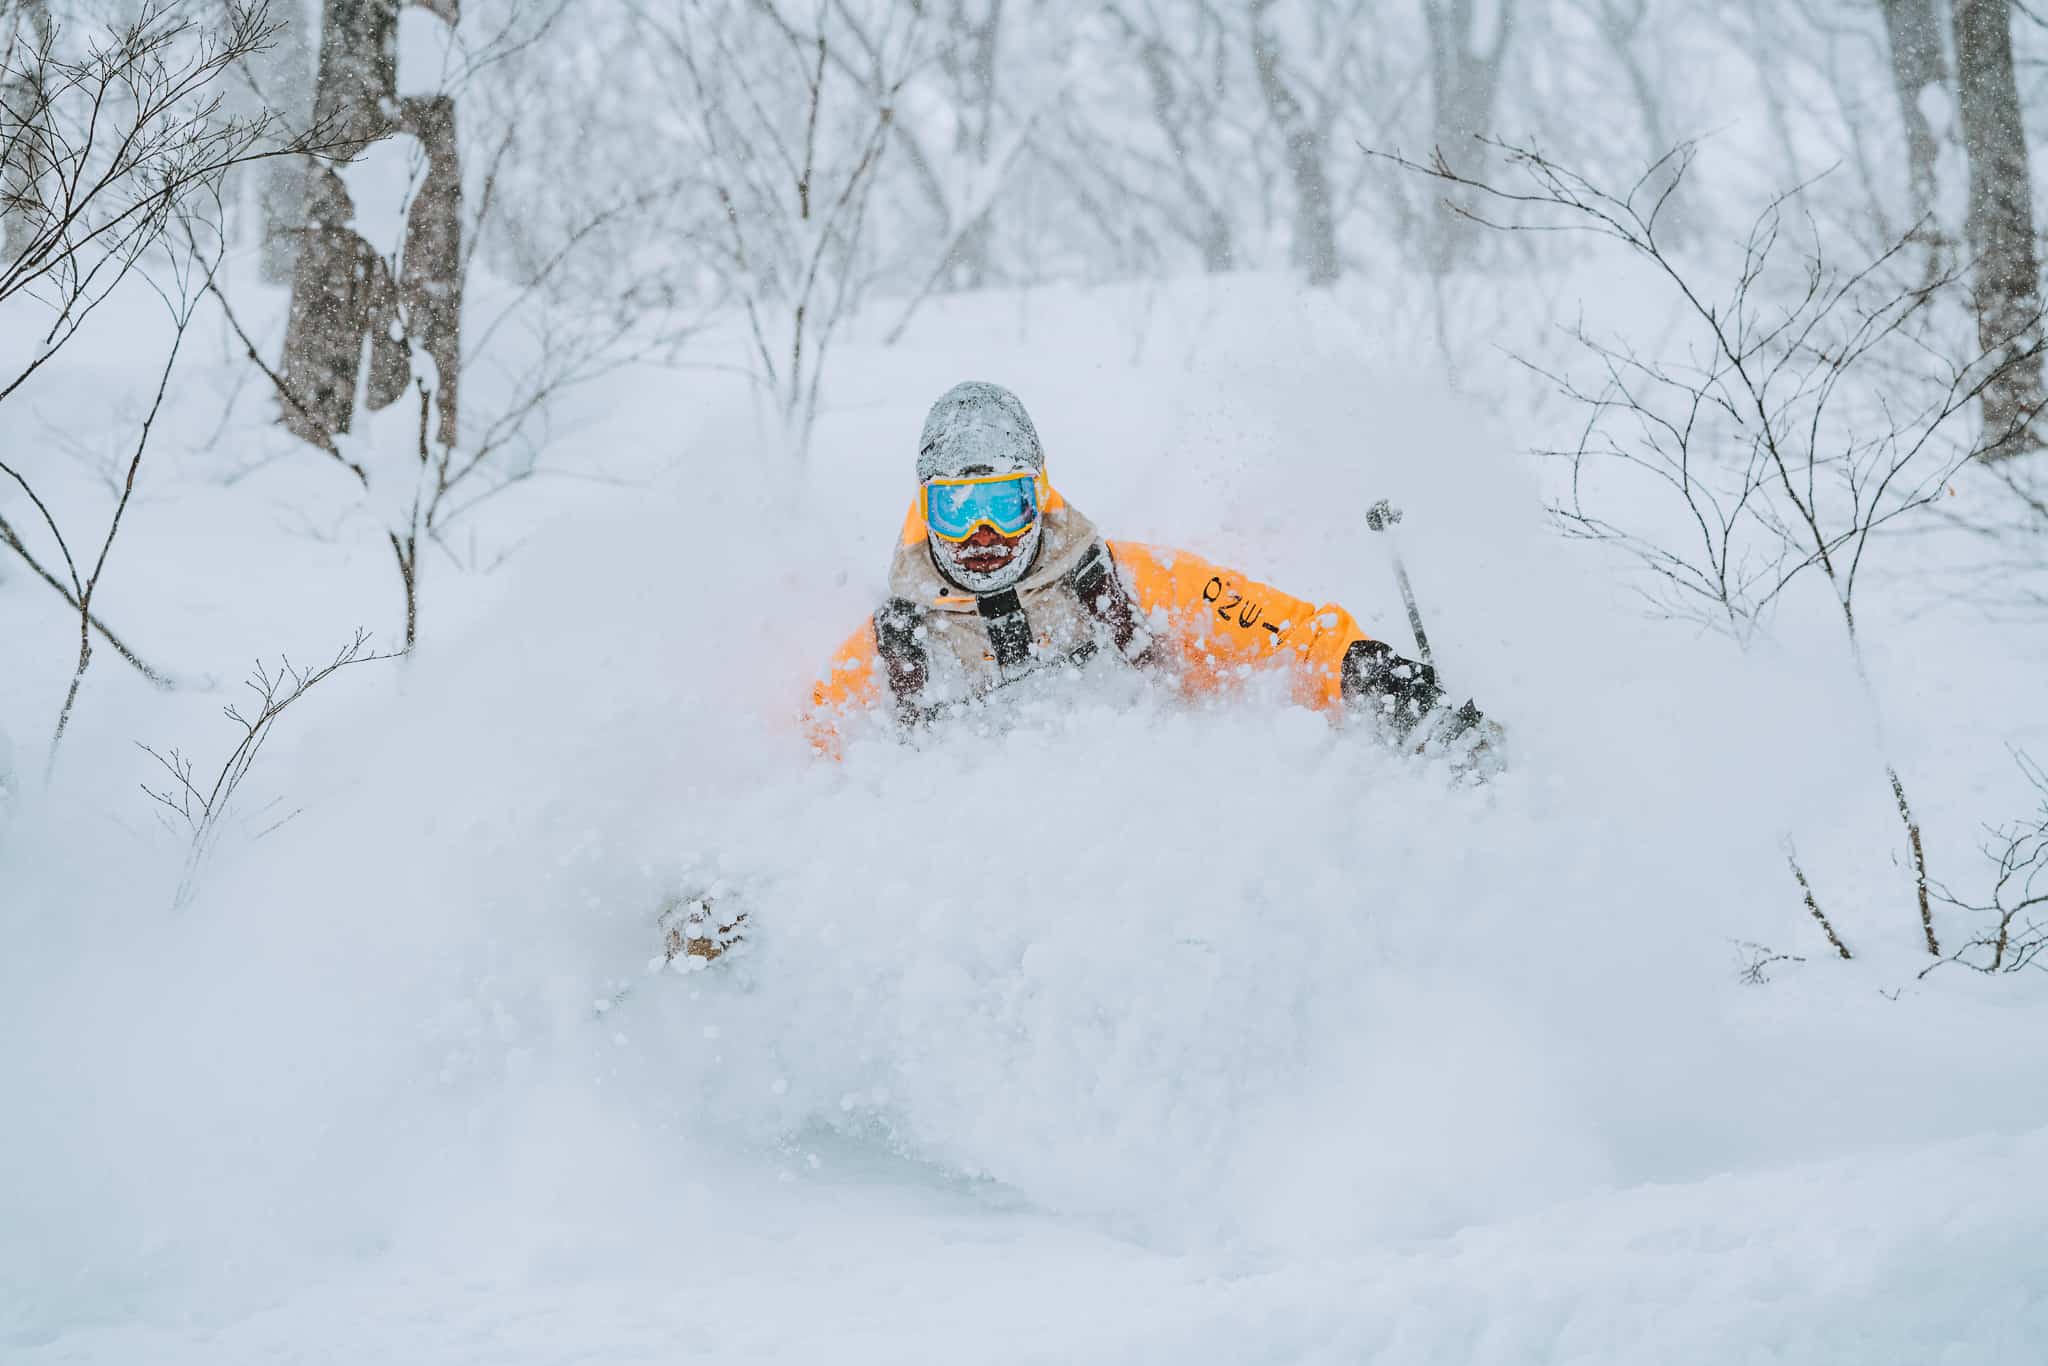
x=1103, y=1030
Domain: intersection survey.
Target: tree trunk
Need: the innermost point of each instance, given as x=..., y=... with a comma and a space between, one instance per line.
x=1315, y=227
x=1464, y=84
x=356, y=92
x=430, y=288
x=341, y=290
x=1914, y=30
x=2006, y=285
x=406, y=549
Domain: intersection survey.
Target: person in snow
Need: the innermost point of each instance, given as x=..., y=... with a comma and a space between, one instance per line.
x=997, y=576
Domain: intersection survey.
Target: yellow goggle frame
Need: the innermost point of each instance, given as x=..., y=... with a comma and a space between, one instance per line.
x=956, y=518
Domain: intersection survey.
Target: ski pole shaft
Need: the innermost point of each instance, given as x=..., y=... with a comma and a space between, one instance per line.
x=1382, y=516
x=1414, y=613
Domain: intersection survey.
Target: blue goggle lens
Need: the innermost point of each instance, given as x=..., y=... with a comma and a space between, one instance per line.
x=954, y=510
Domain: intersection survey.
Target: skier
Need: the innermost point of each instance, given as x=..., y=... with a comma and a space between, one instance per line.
x=998, y=576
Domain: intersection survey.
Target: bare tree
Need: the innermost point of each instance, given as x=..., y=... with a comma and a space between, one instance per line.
x=203, y=805
x=791, y=144
x=1811, y=413
x=2016, y=902
x=573, y=312
x=120, y=148
x=438, y=484
x=991, y=137
x=345, y=291
x=2000, y=226
x=119, y=139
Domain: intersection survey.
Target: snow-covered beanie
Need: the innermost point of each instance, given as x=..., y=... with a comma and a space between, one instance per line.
x=980, y=428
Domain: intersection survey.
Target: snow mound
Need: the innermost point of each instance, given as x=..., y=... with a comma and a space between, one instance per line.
x=1191, y=971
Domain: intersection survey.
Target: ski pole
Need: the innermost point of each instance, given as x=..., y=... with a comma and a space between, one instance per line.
x=1382, y=516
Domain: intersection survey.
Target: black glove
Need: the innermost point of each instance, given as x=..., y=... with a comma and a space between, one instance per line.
x=1408, y=700
x=1400, y=692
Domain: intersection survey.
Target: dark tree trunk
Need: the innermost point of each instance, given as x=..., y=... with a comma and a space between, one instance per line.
x=2006, y=281
x=342, y=293
x=431, y=287
x=406, y=549
x=1914, y=30
x=355, y=95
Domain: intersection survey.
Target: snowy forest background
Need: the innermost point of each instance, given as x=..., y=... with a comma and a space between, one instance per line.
x=502, y=409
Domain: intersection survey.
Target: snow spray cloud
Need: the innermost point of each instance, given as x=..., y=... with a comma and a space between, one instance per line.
x=1210, y=973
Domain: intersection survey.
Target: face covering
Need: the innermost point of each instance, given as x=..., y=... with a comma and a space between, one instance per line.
x=947, y=554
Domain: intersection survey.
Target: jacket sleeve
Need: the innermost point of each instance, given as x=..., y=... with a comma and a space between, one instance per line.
x=849, y=684
x=1223, y=624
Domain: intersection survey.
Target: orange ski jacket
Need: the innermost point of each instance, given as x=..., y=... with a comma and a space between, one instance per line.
x=1203, y=625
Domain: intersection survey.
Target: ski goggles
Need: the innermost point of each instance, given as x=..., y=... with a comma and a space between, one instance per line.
x=955, y=508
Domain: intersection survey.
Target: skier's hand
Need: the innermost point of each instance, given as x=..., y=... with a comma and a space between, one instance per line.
x=694, y=932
